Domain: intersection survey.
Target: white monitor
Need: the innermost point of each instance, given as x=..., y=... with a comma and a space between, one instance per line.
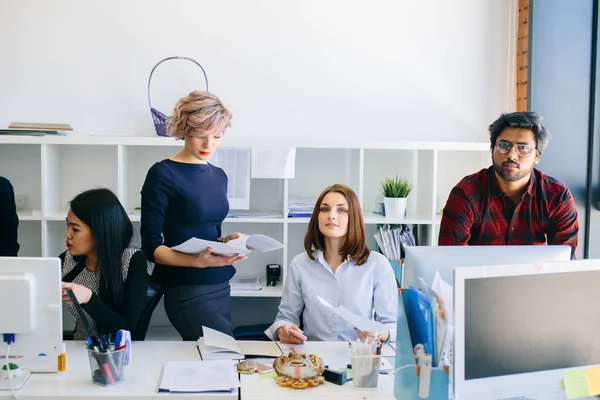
x=30, y=307
x=518, y=328
x=423, y=261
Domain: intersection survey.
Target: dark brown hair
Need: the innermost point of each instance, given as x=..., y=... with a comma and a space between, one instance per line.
x=355, y=245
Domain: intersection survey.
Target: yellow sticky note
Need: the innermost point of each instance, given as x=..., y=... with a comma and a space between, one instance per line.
x=593, y=380
x=576, y=384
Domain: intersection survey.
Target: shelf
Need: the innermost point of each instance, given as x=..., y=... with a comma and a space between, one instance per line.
x=44, y=179
x=56, y=216
x=28, y=215
x=77, y=138
x=266, y=291
x=371, y=218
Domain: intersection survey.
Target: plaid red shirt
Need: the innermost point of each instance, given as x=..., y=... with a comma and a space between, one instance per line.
x=479, y=213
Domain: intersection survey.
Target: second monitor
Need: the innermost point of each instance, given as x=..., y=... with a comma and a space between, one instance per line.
x=423, y=261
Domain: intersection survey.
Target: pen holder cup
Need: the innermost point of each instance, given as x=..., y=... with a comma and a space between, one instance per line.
x=107, y=368
x=365, y=371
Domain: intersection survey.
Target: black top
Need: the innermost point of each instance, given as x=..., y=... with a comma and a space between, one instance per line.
x=181, y=201
x=105, y=318
x=9, y=221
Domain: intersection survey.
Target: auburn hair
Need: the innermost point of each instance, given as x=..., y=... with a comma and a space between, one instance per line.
x=198, y=111
x=355, y=244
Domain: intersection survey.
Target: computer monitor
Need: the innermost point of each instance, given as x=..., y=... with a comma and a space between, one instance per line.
x=30, y=307
x=518, y=328
x=423, y=261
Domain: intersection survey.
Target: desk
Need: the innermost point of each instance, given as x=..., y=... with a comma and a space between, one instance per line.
x=141, y=376
x=148, y=358
x=335, y=355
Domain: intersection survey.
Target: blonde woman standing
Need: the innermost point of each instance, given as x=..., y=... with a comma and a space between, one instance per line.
x=185, y=196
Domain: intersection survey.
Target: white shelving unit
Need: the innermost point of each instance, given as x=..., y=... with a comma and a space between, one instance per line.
x=49, y=171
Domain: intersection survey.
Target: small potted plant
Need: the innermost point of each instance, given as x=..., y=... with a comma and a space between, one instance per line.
x=395, y=191
x=14, y=371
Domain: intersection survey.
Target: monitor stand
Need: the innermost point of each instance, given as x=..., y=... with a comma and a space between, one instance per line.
x=18, y=381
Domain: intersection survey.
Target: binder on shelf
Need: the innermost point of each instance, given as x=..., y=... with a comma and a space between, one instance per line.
x=397, y=267
x=409, y=381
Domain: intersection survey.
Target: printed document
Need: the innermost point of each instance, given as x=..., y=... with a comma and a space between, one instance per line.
x=362, y=323
x=235, y=161
x=242, y=246
x=199, y=376
x=273, y=162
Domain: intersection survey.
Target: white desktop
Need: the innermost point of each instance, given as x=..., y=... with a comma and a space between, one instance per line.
x=423, y=261
x=518, y=328
x=30, y=307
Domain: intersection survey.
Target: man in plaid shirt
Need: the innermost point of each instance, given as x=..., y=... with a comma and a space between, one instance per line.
x=511, y=202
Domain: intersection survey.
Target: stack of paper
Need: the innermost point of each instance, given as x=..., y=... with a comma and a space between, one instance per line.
x=300, y=208
x=199, y=376
x=251, y=283
x=240, y=246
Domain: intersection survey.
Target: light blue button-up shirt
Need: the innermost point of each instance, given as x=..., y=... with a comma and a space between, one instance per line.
x=368, y=290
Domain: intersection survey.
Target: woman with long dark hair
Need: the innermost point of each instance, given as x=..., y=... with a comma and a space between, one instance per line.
x=108, y=276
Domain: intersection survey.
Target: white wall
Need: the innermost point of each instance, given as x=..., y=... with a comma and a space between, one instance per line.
x=401, y=69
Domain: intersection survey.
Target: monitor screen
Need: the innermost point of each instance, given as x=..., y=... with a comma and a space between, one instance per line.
x=519, y=327
x=535, y=316
x=423, y=261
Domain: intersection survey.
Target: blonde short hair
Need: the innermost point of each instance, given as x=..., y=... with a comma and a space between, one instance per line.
x=198, y=111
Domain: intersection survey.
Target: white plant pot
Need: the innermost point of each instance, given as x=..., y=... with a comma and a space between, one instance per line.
x=15, y=373
x=395, y=207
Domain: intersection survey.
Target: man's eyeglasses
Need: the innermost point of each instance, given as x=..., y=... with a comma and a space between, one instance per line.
x=504, y=147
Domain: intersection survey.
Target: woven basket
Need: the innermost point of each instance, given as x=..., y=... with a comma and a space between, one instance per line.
x=161, y=121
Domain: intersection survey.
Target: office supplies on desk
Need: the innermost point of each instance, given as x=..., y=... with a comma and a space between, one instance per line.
x=198, y=376
x=419, y=316
x=241, y=246
x=336, y=377
x=123, y=341
x=408, y=381
x=107, y=367
x=217, y=345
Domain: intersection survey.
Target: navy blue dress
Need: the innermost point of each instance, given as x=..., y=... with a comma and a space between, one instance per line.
x=181, y=201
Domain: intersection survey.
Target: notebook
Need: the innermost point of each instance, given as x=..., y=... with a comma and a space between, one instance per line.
x=216, y=345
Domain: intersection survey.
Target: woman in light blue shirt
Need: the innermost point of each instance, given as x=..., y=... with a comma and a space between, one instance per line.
x=339, y=267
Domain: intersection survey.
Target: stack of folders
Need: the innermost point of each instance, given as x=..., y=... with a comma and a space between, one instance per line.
x=391, y=239
x=300, y=208
x=428, y=324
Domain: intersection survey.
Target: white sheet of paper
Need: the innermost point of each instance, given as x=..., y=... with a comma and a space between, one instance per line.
x=197, y=246
x=235, y=161
x=362, y=323
x=236, y=246
x=199, y=376
x=273, y=162
x=258, y=242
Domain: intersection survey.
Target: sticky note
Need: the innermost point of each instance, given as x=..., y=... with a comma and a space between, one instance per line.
x=593, y=380
x=576, y=384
